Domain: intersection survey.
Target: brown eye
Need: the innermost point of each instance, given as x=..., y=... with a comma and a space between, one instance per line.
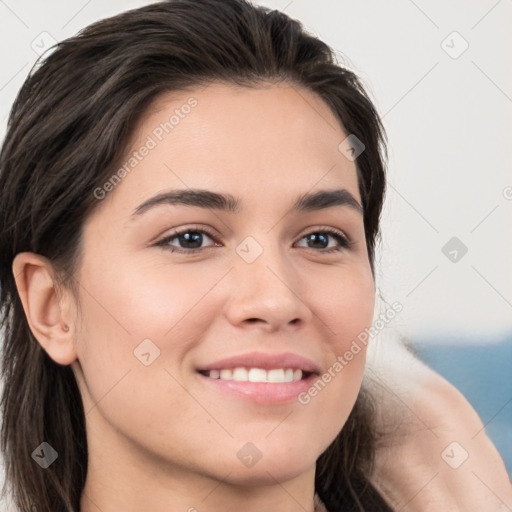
x=326, y=239
x=187, y=240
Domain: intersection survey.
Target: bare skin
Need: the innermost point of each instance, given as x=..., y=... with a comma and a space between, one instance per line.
x=160, y=437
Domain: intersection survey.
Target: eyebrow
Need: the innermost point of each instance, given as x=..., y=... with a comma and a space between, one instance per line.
x=226, y=202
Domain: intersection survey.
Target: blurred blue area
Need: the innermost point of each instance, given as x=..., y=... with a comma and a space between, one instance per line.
x=483, y=373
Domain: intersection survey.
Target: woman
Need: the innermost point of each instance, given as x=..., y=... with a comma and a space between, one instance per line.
x=191, y=195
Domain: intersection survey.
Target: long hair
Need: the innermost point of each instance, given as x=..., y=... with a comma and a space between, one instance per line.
x=68, y=130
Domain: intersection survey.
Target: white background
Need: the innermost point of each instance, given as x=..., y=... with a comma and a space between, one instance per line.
x=449, y=122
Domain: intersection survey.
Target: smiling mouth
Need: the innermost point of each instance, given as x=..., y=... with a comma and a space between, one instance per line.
x=271, y=376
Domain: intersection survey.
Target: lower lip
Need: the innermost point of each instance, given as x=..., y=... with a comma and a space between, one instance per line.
x=272, y=393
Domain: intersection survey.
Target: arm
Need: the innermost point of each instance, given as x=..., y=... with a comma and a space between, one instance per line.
x=433, y=453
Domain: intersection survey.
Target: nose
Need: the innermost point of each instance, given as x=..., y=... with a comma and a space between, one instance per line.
x=267, y=293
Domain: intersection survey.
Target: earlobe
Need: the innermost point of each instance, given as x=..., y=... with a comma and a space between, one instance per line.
x=43, y=306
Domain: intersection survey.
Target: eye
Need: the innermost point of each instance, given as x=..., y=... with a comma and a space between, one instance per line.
x=192, y=239
x=187, y=240
x=329, y=239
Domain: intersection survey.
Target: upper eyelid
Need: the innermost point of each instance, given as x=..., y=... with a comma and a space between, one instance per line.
x=192, y=228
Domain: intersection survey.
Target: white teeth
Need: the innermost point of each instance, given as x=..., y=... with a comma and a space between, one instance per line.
x=275, y=375
x=240, y=374
x=214, y=374
x=226, y=375
x=257, y=375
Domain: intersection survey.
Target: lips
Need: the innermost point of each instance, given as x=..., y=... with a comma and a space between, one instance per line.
x=262, y=378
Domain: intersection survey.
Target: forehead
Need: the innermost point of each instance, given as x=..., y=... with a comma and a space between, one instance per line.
x=262, y=142
x=281, y=112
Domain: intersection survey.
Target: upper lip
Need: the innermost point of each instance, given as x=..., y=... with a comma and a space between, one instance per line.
x=266, y=361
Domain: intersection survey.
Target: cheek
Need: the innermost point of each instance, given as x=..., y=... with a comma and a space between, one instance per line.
x=346, y=307
x=134, y=301
x=130, y=319
x=132, y=314
x=348, y=313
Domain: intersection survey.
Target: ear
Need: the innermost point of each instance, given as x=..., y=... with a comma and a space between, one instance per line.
x=47, y=311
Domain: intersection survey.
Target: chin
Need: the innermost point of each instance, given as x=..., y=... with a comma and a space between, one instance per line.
x=269, y=472
x=277, y=462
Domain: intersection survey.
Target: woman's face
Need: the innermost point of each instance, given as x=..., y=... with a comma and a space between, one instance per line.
x=258, y=286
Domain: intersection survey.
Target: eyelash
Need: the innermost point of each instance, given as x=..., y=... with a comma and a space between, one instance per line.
x=344, y=242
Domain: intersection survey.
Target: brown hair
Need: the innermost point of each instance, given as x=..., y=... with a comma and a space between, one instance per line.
x=68, y=129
